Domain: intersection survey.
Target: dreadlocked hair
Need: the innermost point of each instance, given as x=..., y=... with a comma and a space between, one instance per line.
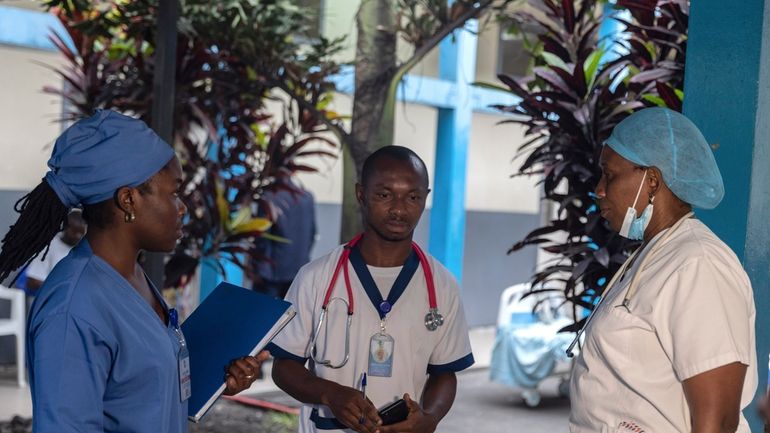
x=42, y=215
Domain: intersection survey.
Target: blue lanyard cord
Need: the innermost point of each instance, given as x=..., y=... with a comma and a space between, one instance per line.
x=383, y=307
x=173, y=320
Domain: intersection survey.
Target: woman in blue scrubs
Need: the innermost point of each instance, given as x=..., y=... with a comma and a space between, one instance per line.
x=104, y=350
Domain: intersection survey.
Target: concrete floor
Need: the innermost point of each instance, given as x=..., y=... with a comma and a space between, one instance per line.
x=13, y=400
x=483, y=406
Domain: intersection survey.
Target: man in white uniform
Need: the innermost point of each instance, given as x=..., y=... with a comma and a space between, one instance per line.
x=671, y=347
x=389, y=337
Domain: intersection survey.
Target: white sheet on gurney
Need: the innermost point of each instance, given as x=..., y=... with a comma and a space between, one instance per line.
x=525, y=355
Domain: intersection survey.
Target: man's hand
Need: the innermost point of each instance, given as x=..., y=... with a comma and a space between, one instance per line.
x=418, y=420
x=350, y=408
x=242, y=372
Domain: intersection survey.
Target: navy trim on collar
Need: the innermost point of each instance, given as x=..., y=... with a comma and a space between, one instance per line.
x=365, y=277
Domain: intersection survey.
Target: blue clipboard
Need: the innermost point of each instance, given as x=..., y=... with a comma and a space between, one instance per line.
x=230, y=323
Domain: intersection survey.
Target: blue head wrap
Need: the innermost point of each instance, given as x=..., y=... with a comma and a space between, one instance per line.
x=663, y=138
x=99, y=154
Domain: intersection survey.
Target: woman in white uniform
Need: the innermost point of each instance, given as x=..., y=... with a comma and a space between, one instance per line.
x=671, y=347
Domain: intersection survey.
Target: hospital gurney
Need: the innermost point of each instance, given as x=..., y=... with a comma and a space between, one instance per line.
x=528, y=347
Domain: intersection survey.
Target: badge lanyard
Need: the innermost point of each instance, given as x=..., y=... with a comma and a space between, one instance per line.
x=382, y=344
x=632, y=287
x=433, y=319
x=183, y=357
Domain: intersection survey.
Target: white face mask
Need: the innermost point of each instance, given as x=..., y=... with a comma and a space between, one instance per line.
x=633, y=227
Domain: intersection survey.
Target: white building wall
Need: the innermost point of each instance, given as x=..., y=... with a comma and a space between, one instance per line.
x=490, y=160
x=500, y=209
x=27, y=115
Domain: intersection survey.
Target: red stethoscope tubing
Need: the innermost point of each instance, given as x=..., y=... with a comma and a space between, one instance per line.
x=342, y=265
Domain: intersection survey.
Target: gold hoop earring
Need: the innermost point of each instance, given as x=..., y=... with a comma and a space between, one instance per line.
x=129, y=217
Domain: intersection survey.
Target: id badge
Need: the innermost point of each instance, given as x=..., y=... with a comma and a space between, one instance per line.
x=381, y=348
x=185, y=388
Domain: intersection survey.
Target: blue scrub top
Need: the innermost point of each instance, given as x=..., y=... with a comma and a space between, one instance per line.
x=100, y=358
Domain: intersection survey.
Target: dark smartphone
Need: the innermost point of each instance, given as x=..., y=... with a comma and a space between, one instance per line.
x=394, y=412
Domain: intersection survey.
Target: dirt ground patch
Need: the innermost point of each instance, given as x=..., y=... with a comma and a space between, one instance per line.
x=231, y=417
x=224, y=417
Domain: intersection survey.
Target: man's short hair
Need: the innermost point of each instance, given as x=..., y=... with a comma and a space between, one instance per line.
x=398, y=153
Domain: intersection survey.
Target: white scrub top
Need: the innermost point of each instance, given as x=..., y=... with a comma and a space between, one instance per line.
x=417, y=351
x=693, y=311
x=40, y=267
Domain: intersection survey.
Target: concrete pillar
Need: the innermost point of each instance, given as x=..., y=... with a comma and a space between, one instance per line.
x=727, y=94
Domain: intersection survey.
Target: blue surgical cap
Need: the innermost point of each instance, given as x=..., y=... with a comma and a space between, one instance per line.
x=99, y=154
x=663, y=138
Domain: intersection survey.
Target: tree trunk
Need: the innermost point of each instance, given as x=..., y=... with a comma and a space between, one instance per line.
x=375, y=68
x=162, y=114
x=374, y=100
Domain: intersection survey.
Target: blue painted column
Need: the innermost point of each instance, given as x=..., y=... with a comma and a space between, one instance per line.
x=457, y=64
x=727, y=94
x=211, y=275
x=611, y=31
x=210, y=271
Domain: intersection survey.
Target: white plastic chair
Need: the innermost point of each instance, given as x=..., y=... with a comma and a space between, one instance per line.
x=15, y=325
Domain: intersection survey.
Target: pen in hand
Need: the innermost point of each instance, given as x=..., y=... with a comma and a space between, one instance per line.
x=363, y=391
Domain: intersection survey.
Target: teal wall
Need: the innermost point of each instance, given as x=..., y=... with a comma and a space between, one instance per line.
x=727, y=88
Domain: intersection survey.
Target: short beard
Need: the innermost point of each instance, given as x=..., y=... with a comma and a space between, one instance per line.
x=384, y=236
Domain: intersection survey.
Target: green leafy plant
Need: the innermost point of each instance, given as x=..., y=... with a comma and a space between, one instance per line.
x=231, y=58
x=569, y=106
x=422, y=24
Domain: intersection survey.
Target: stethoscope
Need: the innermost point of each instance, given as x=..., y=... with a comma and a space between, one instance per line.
x=432, y=320
x=632, y=286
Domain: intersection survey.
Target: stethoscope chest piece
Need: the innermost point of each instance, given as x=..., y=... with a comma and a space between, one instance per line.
x=433, y=319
